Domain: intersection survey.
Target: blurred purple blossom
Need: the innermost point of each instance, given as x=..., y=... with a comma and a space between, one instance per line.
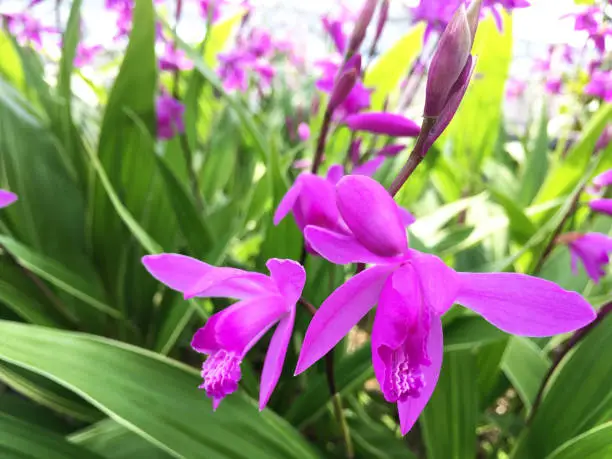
x=553, y=85
x=359, y=97
x=303, y=131
x=600, y=85
x=85, y=54
x=592, y=249
x=7, y=198
x=169, y=117
x=174, y=59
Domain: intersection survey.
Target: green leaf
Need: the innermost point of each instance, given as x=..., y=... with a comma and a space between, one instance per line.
x=525, y=365
x=194, y=228
x=47, y=393
x=153, y=396
x=386, y=73
x=350, y=372
x=521, y=227
x=114, y=441
x=470, y=331
x=593, y=444
x=480, y=112
x=83, y=285
x=449, y=419
x=578, y=396
x=567, y=171
x=536, y=167
x=22, y=440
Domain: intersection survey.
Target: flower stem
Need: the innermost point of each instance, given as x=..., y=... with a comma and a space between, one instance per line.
x=318, y=159
x=578, y=336
x=335, y=396
x=416, y=156
x=551, y=243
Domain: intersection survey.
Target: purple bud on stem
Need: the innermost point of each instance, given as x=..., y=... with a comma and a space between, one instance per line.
x=345, y=81
x=359, y=31
x=450, y=58
x=383, y=123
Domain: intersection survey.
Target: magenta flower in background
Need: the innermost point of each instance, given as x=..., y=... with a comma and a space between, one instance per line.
x=334, y=28
x=303, y=131
x=412, y=291
x=600, y=85
x=603, y=206
x=174, y=59
x=7, y=198
x=390, y=124
x=515, y=88
x=86, y=54
x=391, y=150
x=228, y=335
x=211, y=8
x=553, y=85
x=587, y=20
x=27, y=29
x=169, y=117
x=602, y=180
x=592, y=249
x=356, y=100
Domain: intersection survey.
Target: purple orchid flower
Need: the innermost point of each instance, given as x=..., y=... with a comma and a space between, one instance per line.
x=515, y=88
x=357, y=99
x=169, y=117
x=412, y=291
x=586, y=20
x=211, y=8
x=592, y=249
x=86, y=54
x=7, y=198
x=334, y=28
x=303, y=131
x=228, y=335
x=174, y=59
x=312, y=200
x=553, y=85
x=600, y=85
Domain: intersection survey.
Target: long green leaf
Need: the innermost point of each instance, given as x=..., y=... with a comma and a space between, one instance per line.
x=593, y=444
x=152, y=396
x=22, y=440
x=449, y=419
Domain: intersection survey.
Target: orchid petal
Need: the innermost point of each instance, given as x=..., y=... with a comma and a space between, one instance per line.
x=290, y=278
x=275, y=358
x=605, y=178
x=288, y=201
x=603, y=206
x=524, y=305
x=406, y=217
x=335, y=173
x=371, y=214
x=410, y=410
x=7, y=198
x=241, y=325
x=439, y=283
x=205, y=339
x=369, y=168
x=230, y=283
x=340, y=312
x=342, y=249
x=178, y=272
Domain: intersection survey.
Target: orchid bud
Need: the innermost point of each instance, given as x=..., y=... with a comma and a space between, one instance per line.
x=359, y=31
x=345, y=81
x=342, y=88
x=383, y=14
x=450, y=58
x=452, y=105
x=383, y=123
